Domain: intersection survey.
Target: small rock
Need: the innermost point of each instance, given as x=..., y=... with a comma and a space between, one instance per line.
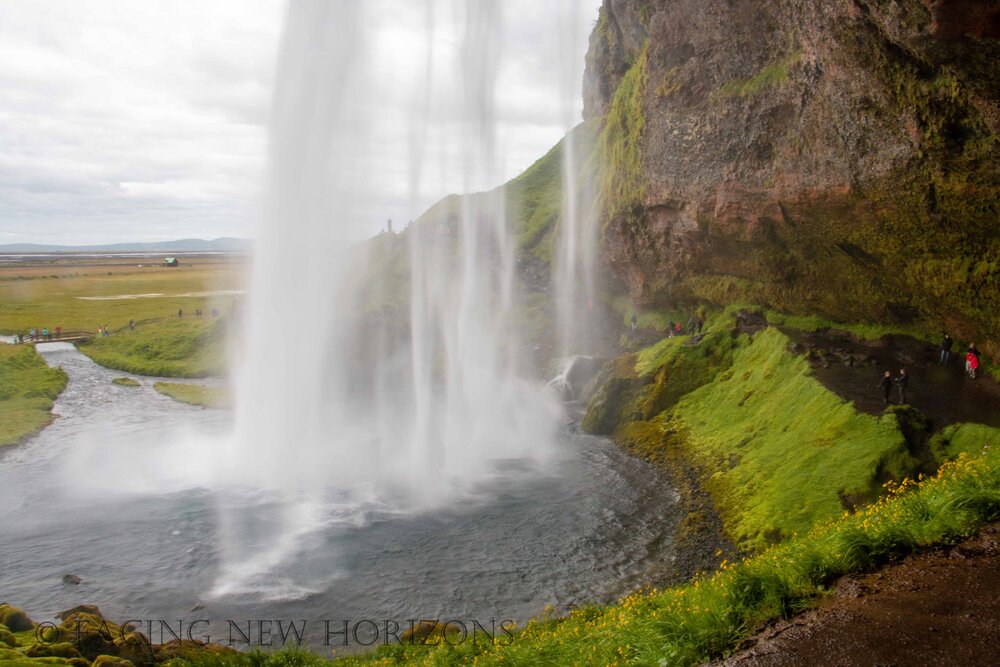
x=72, y=579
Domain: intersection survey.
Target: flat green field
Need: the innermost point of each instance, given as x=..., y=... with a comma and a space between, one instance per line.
x=79, y=294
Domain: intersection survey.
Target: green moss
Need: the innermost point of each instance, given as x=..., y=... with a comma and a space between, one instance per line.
x=194, y=394
x=969, y=439
x=28, y=387
x=623, y=182
x=781, y=452
x=126, y=382
x=772, y=74
x=192, y=347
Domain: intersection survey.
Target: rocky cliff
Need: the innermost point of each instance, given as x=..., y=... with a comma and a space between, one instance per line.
x=836, y=157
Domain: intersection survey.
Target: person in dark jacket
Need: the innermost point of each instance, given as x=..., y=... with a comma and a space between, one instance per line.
x=946, y=344
x=901, y=382
x=635, y=321
x=886, y=386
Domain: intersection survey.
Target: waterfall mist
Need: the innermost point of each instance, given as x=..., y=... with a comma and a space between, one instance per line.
x=340, y=405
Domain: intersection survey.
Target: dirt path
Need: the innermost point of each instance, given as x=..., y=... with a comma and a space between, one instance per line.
x=938, y=608
x=852, y=369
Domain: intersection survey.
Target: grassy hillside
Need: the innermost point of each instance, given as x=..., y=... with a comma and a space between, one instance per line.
x=28, y=386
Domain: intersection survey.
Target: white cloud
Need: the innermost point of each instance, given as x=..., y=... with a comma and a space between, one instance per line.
x=129, y=119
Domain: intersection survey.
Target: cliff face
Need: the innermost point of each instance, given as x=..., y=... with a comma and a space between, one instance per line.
x=827, y=156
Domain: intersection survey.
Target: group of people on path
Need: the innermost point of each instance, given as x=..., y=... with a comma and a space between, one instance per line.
x=971, y=355
x=694, y=325
x=901, y=381
x=39, y=335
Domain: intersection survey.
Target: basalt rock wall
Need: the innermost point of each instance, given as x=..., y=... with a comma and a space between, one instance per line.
x=836, y=157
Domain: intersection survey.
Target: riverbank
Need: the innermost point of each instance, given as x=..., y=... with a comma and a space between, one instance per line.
x=191, y=348
x=713, y=615
x=28, y=388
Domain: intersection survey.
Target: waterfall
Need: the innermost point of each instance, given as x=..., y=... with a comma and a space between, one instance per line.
x=576, y=247
x=340, y=402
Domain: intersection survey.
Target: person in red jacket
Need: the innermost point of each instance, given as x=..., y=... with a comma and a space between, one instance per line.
x=971, y=363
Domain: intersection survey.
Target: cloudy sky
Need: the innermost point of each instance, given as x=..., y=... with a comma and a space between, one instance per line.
x=126, y=120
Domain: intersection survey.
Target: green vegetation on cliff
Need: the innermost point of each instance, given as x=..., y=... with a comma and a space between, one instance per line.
x=192, y=347
x=623, y=184
x=772, y=74
x=28, y=386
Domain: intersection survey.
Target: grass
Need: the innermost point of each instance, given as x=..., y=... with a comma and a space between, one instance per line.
x=28, y=386
x=706, y=619
x=861, y=330
x=194, y=394
x=126, y=382
x=780, y=451
x=190, y=347
x=968, y=439
x=51, y=294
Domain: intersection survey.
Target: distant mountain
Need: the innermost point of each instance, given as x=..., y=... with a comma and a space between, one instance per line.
x=226, y=244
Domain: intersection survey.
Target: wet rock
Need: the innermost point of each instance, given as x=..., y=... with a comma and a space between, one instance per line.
x=80, y=609
x=187, y=649
x=15, y=619
x=7, y=637
x=57, y=650
x=111, y=661
x=136, y=648
x=72, y=579
x=750, y=322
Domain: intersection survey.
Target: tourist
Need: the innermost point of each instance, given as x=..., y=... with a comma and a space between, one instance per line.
x=180, y=314
x=107, y=331
x=902, y=381
x=971, y=362
x=45, y=333
x=946, y=344
x=678, y=329
x=670, y=329
x=635, y=321
x=131, y=325
x=886, y=385
x=58, y=333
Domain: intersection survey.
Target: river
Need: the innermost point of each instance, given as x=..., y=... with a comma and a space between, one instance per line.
x=119, y=491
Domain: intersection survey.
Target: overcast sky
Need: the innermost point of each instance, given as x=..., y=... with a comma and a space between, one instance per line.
x=125, y=120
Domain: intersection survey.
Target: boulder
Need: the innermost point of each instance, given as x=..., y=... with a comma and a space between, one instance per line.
x=15, y=619
x=111, y=661
x=57, y=650
x=7, y=637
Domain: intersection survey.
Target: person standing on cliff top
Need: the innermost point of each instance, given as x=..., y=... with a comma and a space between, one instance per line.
x=635, y=321
x=946, y=344
x=886, y=386
x=902, y=381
